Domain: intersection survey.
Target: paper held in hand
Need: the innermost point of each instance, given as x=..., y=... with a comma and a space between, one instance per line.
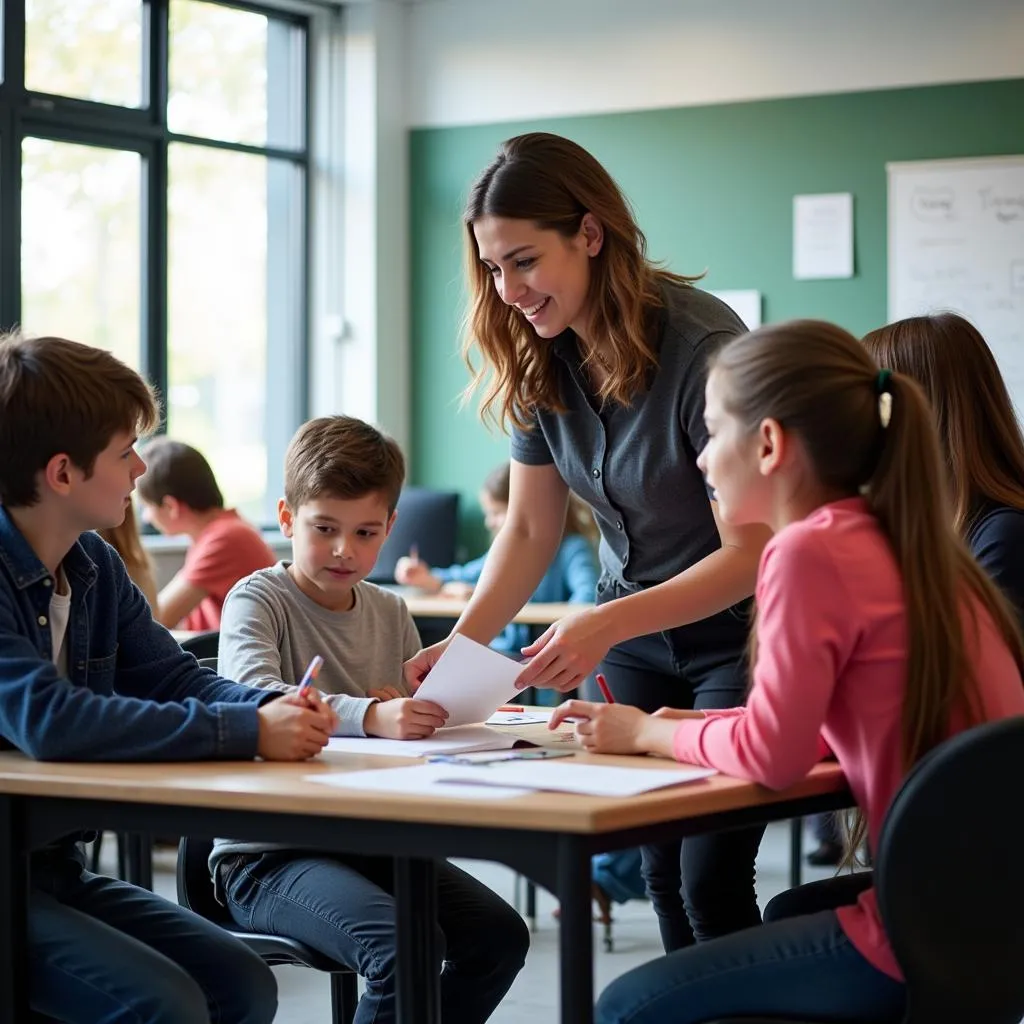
x=470, y=681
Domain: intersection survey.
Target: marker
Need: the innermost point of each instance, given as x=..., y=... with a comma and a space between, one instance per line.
x=602, y=684
x=512, y=707
x=312, y=671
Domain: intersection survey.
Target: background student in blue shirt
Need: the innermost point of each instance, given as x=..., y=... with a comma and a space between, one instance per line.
x=87, y=675
x=572, y=575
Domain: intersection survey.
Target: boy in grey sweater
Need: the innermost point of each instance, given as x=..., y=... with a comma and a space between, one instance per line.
x=342, y=481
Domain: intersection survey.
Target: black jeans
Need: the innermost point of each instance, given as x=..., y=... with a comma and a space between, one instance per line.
x=702, y=887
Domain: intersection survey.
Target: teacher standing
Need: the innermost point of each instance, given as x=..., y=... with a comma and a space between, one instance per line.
x=596, y=358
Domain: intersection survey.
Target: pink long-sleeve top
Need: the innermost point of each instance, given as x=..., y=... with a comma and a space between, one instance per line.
x=831, y=663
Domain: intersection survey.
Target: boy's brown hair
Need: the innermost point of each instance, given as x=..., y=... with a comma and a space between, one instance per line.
x=342, y=457
x=177, y=470
x=59, y=396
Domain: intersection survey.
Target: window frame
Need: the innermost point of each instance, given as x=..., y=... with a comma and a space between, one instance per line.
x=144, y=130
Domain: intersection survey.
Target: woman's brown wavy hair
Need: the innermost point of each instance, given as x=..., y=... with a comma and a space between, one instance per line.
x=554, y=182
x=979, y=432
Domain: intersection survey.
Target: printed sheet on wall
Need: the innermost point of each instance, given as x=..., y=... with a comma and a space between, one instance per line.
x=956, y=242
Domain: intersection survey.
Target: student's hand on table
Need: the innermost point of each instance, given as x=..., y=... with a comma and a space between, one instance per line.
x=417, y=667
x=386, y=693
x=404, y=719
x=565, y=653
x=458, y=589
x=604, y=728
x=294, y=727
x=411, y=572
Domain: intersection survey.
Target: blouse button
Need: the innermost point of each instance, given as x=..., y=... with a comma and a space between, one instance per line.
x=595, y=473
x=42, y=620
x=618, y=525
x=47, y=582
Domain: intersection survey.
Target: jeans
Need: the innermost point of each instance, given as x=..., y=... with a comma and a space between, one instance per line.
x=802, y=967
x=106, y=952
x=703, y=887
x=344, y=907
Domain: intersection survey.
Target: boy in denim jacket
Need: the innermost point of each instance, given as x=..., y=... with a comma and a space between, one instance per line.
x=86, y=675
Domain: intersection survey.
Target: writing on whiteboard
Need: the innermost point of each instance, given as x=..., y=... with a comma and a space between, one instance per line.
x=956, y=242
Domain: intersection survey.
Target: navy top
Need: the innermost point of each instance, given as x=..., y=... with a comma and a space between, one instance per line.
x=996, y=539
x=131, y=692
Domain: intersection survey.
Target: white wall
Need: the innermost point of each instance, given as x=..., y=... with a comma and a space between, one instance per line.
x=483, y=61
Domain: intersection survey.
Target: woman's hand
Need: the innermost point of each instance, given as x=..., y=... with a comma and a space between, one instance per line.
x=417, y=667
x=566, y=652
x=458, y=589
x=604, y=728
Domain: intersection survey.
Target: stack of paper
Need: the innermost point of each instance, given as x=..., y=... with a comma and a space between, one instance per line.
x=513, y=778
x=453, y=739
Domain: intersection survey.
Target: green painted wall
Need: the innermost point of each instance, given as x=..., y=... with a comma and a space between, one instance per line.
x=713, y=188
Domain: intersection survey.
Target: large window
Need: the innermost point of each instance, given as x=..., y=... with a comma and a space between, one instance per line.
x=153, y=179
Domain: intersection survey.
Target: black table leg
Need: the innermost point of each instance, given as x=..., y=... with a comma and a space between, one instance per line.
x=796, y=851
x=575, y=941
x=531, y=904
x=418, y=985
x=14, y=1007
x=140, y=860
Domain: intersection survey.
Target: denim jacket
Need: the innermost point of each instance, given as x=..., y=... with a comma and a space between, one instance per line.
x=132, y=694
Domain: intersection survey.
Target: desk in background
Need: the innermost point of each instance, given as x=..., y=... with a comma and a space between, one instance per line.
x=547, y=836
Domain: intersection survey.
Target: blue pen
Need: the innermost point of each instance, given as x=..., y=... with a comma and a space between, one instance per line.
x=312, y=671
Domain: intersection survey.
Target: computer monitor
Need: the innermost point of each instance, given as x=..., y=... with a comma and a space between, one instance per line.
x=428, y=520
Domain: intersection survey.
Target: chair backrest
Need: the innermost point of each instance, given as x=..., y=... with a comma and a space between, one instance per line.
x=195, y=887
x=949, y=879
x=202, y=645
x=429, y=520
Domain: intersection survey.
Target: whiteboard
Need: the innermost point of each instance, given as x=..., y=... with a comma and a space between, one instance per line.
x=956, y=242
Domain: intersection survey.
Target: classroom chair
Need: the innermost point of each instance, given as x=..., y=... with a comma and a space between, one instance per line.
x=195, y=892
x=950, y=887
x=202, y=645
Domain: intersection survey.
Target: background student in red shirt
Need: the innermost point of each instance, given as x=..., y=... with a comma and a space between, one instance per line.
x=180, y=495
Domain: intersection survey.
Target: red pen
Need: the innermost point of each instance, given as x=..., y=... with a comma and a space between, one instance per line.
x=605, y=691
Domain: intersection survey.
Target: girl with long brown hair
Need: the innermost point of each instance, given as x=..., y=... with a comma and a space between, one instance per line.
x=877, y=633
x=596, y=357
x=979, y=433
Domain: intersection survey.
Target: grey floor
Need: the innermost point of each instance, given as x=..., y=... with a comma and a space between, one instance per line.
x=304, y=997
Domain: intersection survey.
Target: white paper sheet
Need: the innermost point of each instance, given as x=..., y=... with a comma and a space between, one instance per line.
x=589, y=779
x=449, y=740
x=744, y=302
x=530, y=716
x=470, y=681
x=823, y=236
x=418, y=780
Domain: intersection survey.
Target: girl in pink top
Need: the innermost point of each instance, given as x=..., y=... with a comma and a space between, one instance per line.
x=877, y=637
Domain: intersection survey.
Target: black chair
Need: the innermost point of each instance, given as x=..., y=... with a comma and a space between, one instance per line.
x=195, y=891
x=949, y=882
x=202, y=645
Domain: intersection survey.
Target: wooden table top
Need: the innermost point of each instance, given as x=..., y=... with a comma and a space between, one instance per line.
x=282, y=787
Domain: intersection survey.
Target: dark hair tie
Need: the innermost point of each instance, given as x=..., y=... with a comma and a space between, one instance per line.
x=882, y=382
